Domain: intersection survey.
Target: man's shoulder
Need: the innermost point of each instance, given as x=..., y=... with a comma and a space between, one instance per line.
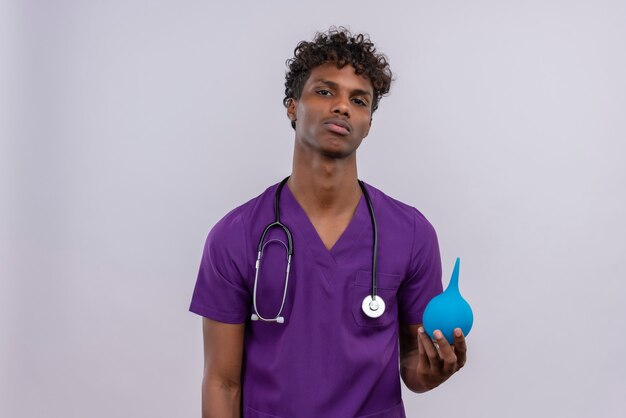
x=396, y=209
x=394, y=205
x=236, y=221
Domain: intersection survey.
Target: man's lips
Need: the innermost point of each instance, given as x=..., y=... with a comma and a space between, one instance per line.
x=338, y=126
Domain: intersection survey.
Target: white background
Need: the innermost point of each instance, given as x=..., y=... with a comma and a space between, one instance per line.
x=130, y=127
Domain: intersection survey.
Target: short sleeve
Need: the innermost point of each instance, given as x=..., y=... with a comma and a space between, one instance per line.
x=220, y=292
x=424, y=279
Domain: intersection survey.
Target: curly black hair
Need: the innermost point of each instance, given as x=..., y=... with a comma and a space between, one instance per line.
x=341, y=47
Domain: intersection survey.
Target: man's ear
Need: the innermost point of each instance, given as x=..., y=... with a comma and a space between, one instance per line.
x=291, y=110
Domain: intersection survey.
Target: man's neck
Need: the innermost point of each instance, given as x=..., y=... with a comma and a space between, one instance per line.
x=324, y=186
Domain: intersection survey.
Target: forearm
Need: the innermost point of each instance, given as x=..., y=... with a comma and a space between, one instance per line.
x=221, y=399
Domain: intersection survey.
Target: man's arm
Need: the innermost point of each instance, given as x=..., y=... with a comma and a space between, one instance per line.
x=423, y=366
x=221, y=385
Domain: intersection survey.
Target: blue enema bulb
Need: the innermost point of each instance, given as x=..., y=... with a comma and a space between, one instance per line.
x=449, y=310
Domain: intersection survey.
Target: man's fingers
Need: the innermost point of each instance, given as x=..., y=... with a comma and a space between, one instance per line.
x=429, y=348
x=423, y=358
x=448, y=358
x=460, y=348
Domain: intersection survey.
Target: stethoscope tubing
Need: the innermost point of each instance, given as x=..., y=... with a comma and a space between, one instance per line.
x=375, y=238
x=370, y=304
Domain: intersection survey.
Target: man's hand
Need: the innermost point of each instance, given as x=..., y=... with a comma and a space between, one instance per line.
x=430, y=363
x=438, y=361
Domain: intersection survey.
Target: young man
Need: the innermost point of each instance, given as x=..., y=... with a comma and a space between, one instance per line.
x=321, y=339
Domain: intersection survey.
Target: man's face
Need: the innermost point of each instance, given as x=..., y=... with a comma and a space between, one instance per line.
x=333, y=114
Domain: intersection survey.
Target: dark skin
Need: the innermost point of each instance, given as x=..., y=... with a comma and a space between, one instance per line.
x=333, y=116
x=424, y=365
x=221, y=385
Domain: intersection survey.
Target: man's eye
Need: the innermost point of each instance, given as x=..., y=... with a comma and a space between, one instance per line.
x=323, y=92
x=360, y=102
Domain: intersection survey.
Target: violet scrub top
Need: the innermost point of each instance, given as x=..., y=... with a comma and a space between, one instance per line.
x=328, y=359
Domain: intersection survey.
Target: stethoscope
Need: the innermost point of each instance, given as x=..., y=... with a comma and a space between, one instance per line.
x=372, y=305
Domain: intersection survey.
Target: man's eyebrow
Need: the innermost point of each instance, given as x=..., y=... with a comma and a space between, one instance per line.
x=333, y=85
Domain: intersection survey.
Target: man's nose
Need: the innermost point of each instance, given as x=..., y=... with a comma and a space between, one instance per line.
x=341, y=105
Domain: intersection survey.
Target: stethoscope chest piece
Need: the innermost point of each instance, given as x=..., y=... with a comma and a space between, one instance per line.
x=373, y=308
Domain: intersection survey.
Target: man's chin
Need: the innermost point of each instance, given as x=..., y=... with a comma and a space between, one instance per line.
x=338, y=154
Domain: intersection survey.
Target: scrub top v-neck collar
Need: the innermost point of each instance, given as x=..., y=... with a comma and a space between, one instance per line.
x=328, y=260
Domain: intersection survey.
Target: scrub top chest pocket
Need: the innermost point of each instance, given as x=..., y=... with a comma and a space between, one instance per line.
x=387, y=287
